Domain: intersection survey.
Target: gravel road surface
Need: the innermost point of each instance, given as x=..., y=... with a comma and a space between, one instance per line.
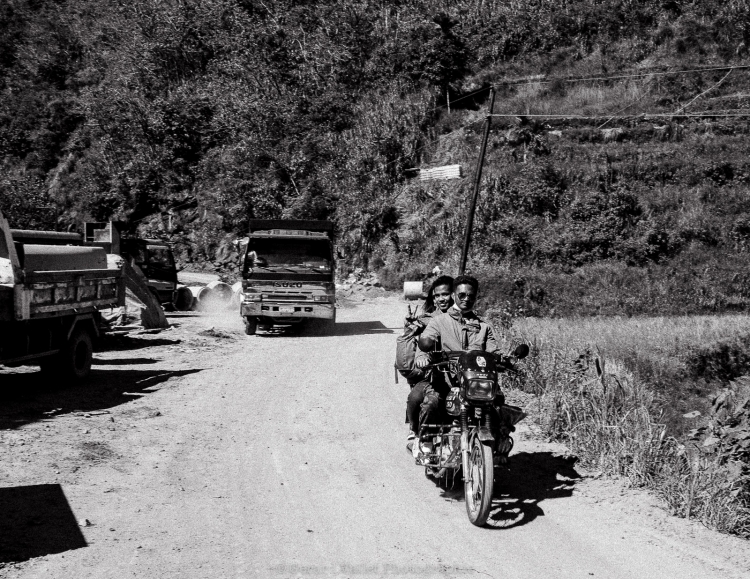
x=200, y=452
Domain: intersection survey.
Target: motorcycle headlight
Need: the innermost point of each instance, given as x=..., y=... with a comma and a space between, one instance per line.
x=480, y=389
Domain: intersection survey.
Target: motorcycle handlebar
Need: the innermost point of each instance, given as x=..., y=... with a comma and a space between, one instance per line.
x=444, y=358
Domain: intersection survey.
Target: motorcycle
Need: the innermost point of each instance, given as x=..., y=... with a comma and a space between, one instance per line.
x=472, y=435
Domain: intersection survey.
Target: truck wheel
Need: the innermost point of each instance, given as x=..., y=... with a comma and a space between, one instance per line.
x=76, y=356
x=73, y=362
x=324, y=327
x=251, y=326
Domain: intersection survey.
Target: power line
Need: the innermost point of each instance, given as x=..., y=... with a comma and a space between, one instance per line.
x=512, y=82
x=709, y=89
x=644, y=116
x=543, y=80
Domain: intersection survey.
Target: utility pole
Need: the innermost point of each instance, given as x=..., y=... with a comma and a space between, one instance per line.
x=477, y=181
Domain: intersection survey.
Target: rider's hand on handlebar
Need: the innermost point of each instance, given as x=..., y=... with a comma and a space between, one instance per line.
x=422, y=362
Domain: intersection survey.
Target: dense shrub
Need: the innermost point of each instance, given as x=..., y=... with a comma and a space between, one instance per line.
x=724, y=360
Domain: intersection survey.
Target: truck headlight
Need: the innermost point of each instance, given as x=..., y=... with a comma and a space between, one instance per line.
x=321, y=298
x=251, y=295
x=480, y=389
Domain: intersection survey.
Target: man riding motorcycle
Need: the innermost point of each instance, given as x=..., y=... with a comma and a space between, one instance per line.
x=439, y=300
x=457, y=329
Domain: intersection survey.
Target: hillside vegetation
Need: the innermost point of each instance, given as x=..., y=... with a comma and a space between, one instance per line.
x=185, y=118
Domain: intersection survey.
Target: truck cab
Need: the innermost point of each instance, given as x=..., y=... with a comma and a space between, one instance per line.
x=288, y=273
x=156, y=260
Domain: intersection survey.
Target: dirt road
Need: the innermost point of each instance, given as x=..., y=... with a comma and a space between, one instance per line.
x=199, y=454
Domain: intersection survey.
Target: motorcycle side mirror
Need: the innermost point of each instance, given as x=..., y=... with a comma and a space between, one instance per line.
x=521, y=351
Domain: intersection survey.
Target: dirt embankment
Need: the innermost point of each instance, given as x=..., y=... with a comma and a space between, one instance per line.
x=202, y=452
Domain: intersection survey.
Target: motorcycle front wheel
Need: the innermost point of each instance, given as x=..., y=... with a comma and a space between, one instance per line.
x=478, y=482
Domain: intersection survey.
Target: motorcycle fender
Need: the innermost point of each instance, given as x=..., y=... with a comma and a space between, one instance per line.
x=485, y=436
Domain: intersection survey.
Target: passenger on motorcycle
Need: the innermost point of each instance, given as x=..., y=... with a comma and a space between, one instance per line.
x=457, y=329
x=439, y=300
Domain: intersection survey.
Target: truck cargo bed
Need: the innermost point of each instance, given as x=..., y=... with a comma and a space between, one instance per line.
x=45, y=293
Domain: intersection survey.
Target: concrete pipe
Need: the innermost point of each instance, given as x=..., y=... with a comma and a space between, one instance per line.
x=215, y=296
x=237, y=295
x=413, y=290
x=183, y=300
x=200, y=295
x=220, y=291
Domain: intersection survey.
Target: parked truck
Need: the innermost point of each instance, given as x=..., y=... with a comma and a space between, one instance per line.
x=288, y=274
x=153, y=256
x=50, y=296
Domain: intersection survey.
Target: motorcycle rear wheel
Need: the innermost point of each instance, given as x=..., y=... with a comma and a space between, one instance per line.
x=479, y=482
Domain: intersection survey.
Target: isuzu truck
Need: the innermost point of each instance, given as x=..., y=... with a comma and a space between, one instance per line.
x=288, y=274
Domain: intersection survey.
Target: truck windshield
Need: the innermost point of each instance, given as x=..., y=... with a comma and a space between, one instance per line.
x=160, y=256
x=288, y=252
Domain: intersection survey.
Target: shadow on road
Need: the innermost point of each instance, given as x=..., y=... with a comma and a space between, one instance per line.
x=30, y=397
x=359, y=329
x=338, y=329
x=124, y=361
x=36, y=521
x=533, y=477
x=356, y=329
x=124, y=343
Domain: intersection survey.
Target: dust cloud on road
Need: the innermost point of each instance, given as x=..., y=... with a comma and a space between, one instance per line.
x=200, y=452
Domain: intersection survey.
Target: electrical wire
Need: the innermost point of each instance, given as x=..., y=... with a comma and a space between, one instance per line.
x=619, y=76
x=723, y=78
x=563, y=117
x=638, y=116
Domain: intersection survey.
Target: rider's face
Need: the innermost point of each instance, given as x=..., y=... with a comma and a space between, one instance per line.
x=465, y=297
x=443, y=298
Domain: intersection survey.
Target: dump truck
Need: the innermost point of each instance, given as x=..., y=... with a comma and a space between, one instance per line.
x=288, y=274
x=153, y=256
x=50, y=295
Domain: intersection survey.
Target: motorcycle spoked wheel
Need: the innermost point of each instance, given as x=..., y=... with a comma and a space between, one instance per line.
x=479, y=482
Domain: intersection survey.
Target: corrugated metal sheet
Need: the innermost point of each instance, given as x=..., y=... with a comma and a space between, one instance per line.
x=441, y=173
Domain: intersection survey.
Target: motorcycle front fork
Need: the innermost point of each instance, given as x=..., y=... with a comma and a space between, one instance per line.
x=485, y=430
x=465, y=442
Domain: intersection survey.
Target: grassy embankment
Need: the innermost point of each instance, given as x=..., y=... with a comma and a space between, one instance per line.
x=623, y=394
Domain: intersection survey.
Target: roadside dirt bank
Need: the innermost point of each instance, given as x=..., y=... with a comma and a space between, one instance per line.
x=201, y=452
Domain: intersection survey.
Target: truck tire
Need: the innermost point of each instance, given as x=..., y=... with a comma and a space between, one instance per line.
x=251, y=325
x=73, y=362
x=77, y=355
x=321, y=326
x=327, y=326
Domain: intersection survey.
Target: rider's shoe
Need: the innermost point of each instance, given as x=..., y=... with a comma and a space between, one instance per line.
x=426, y=447
x=503, y=450
x=415, y=449
x=410, y=441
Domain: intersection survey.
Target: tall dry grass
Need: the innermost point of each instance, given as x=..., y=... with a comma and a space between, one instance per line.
x=594, y=400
